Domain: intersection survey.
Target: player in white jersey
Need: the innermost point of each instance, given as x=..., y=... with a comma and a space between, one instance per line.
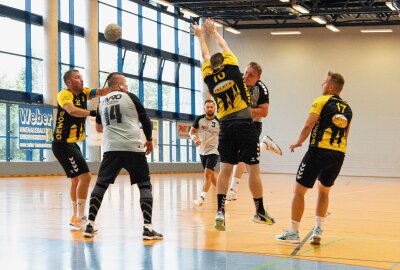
x=207, y=128
x=120, y=115
x=260, y=105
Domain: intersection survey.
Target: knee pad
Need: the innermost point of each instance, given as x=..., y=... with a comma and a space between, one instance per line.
x=145, y=190
x=99, y=190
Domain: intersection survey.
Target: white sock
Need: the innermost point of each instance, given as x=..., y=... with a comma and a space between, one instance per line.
x=74, y=208
x=294, y=226
x=81, y=203
x=263, y=147
x=149, y=226
x=91, y=223
x=203, y=195
x=234, y=181
x=319, y=221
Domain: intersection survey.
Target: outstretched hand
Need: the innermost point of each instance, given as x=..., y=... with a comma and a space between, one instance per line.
x=209, y=25
x=196, y=29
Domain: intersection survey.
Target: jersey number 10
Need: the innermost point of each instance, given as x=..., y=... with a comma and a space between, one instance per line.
x=114, y=113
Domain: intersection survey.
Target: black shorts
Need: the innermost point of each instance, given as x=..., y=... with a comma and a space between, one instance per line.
x=134, y=162
x=239, y=142
x=70, y=157
x=258, y=127
x=209, y=161
x=319, y=163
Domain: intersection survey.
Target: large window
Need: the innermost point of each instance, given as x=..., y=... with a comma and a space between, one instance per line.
x=156, y=54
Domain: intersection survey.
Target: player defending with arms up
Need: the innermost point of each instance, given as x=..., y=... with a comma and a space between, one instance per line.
x=238, y=139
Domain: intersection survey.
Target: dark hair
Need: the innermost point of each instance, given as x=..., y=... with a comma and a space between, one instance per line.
x=216, y=60
x=111, y=78
x=337, y=79
x=256, y=66
x=68, y=74
x=209, y=101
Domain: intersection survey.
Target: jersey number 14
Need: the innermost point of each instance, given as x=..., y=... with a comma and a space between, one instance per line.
x=114, y=113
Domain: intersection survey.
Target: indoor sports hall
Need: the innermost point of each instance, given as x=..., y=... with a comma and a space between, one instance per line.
x=296, y=43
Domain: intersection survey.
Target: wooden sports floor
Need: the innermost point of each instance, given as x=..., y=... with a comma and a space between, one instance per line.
x=361, y=232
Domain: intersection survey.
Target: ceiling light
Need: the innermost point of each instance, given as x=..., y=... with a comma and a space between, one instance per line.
x=376, y=30
x=162, y=2
x=285, y=1
x=390, y=5
x=318, y=19
x=232, y=30
x=332, y=28
x=189, y=13
x=276, y=33
x=300, y=9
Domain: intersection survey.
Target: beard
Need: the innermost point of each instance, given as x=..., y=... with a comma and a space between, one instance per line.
x=210, y=114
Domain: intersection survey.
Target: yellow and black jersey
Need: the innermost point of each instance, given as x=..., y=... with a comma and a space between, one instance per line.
x=226, y=85
x=335, y=118
x=69, y=128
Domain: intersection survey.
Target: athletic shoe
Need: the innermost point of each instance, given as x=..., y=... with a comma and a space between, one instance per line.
x=199, y=202
x=88, y=231
x=151, y=235
x=263, y=218
x=271, y=145
x=75, y=223
x=289, y=237
x=315, y=238
x=232, y=195
x=220, y=221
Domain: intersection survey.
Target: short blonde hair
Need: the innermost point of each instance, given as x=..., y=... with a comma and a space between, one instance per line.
x=337, y=79
x=256, y=66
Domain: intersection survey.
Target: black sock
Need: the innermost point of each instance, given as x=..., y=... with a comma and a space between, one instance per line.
x=96, y=199
x=259, y=205
x=147, y=209
x=221, y=202
x=146, y=200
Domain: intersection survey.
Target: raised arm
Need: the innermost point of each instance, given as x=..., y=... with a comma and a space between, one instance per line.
x=212, y=30
x=199, y=33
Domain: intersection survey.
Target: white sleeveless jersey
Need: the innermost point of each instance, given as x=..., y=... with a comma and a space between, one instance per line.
x=119, y=114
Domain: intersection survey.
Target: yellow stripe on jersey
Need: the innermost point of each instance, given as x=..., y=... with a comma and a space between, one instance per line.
x=319, y=103
x=238, y=104
x=64, y=97
x=229, y=59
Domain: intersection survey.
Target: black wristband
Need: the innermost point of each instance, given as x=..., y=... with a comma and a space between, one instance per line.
x=150, y=139
x=93, y=113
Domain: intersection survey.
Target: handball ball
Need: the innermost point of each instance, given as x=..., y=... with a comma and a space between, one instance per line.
x=112, y=32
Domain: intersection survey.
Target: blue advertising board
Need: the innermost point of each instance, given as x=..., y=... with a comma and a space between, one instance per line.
x=35, y=127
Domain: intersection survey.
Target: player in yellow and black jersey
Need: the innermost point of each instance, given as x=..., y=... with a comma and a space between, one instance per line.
x=70, y=129
x=238, y=137
x=329, y=124
x=334, y=117
x=227, y=87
